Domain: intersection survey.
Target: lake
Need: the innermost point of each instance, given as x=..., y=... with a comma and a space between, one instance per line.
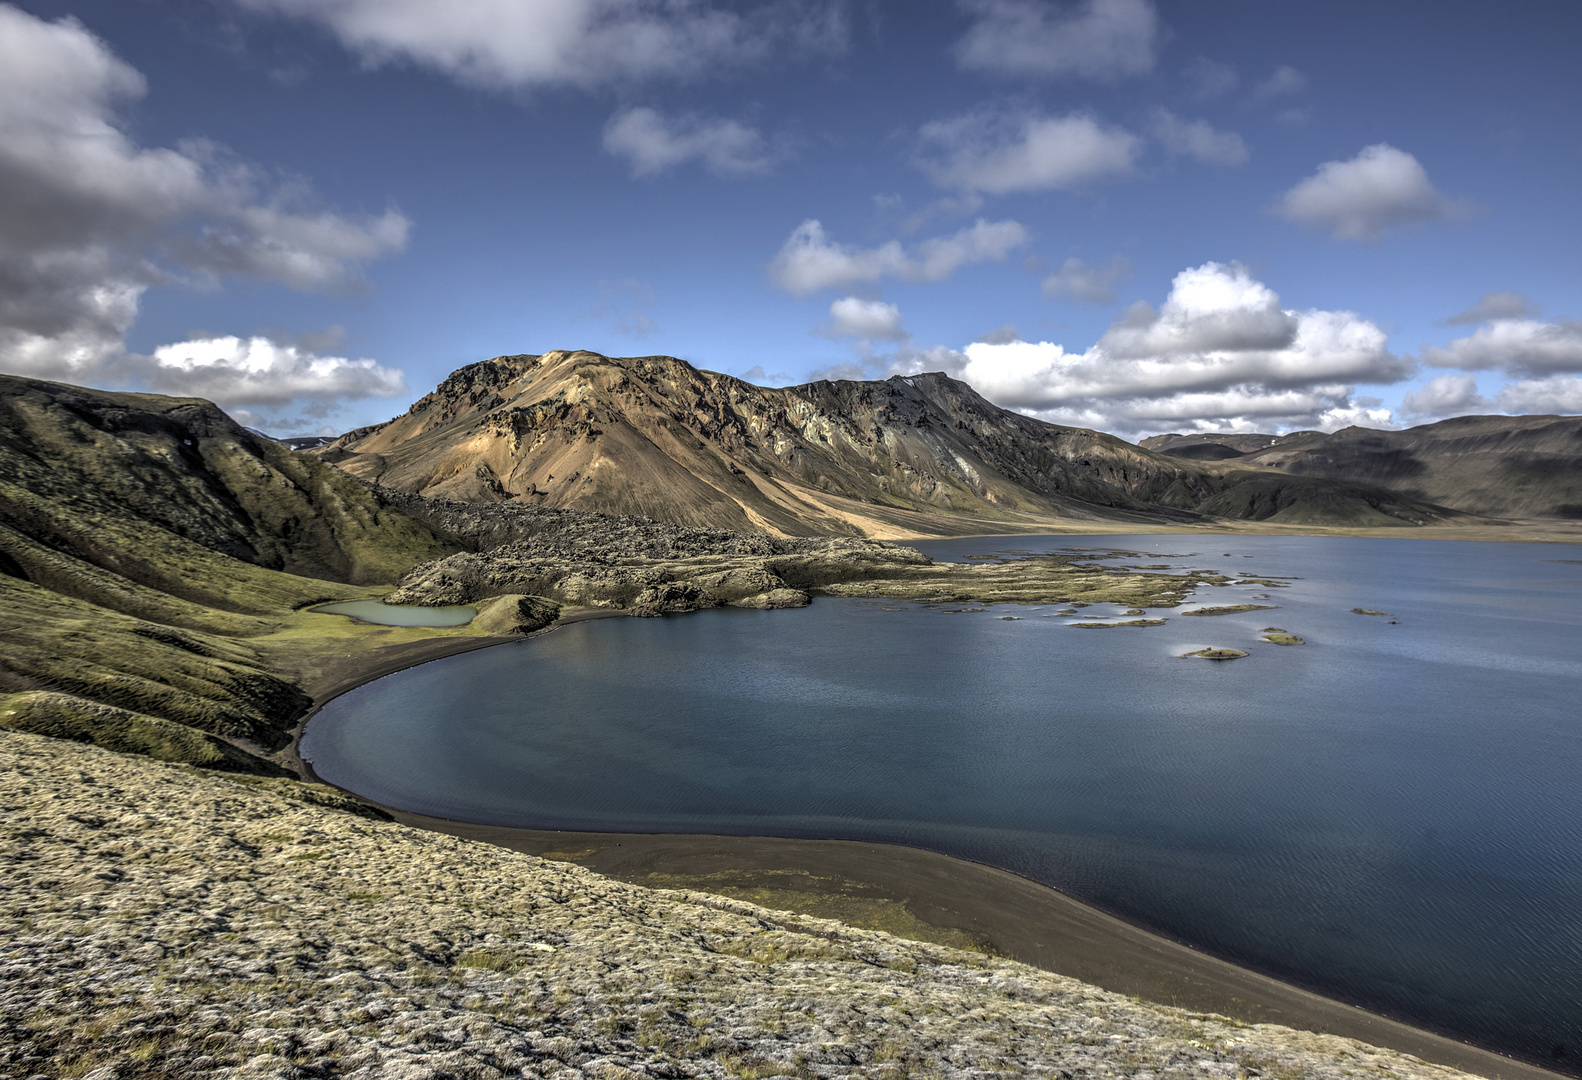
x=1390, y=814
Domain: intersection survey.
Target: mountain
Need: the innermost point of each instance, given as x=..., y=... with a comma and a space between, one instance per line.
x=146, y=544
x=1215, y=447
x=1505, y=466
x=909, y=455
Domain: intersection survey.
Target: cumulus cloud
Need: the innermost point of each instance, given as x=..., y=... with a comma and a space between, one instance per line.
x=1445, y=395
x=1381, y=188
x=1516, y=346
x=810, y=261
x=1103, y=40
x=996, y=154
x=869, y=320
x=504, y=44
x=1495, y=305
x=1220, y=351
x=654, y=142
x=1198, y=139
x=1285, y=80
x=89, y=220
x=1557, y=394
x=237, y=372
x=1094, y=283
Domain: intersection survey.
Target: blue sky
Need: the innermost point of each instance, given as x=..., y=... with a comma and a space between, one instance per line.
x=1136, y=215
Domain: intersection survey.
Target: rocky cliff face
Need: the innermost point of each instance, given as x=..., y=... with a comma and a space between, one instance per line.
x=906, y=456
x=1505, y=466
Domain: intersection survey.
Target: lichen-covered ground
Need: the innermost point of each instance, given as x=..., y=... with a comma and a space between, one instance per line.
x=160, y=921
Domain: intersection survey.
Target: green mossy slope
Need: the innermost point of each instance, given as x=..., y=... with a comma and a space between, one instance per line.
x=145, y=541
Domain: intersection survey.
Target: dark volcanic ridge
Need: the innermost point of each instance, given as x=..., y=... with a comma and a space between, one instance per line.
x=910, y=455
x=1503, y=466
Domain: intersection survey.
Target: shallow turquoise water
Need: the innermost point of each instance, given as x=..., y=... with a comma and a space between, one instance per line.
x=401, y=614
x=1391, y=814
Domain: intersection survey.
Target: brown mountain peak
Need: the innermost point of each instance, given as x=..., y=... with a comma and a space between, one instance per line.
x=657, y=437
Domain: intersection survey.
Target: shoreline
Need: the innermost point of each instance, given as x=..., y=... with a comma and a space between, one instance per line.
x=1489, y=531
x=1007, y=914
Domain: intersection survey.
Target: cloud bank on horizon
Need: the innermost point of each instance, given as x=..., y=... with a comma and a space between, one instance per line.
x=808, y=187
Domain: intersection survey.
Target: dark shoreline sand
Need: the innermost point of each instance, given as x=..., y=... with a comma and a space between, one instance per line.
x=956, y=899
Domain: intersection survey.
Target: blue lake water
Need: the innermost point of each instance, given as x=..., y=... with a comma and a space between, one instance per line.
x=1390, y=814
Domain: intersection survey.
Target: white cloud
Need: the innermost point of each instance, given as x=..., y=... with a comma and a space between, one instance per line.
x=1220, y=351
x=1104, y=40
x=847, y=370
x=1381, y=188
x=997, y=154
x=1092, y=282
x=1213, y=308
x=89, y=220
x=810, y=261
x=1519, y=346
x=1198, y=139
x=1211, y=79
x=870, y=320
x=1000, y=335
x=307, y=249
x=234, y=372
x=1445, y=395
x=757, y=374
x=1558, y=394
x=654, y=142
x=1495, y=305
x=526, y=43
x=1285, y=80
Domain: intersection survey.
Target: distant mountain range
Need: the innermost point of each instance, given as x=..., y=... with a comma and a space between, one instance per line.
x=1503, y=466
x=911, y=455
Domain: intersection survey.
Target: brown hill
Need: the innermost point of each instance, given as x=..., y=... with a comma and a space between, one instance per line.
x=1506, y=466
x=910, y=455
x=1204, y=446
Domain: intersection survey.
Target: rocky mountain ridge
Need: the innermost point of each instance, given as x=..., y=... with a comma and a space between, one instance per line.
x=906, y=456
x=1503, y=466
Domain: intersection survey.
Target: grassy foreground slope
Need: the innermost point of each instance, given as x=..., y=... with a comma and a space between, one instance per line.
x=163, y=922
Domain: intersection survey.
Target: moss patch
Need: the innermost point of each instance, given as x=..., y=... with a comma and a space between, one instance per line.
x=821, y=897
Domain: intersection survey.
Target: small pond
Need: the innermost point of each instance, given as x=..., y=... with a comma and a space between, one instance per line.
x=374, y=611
